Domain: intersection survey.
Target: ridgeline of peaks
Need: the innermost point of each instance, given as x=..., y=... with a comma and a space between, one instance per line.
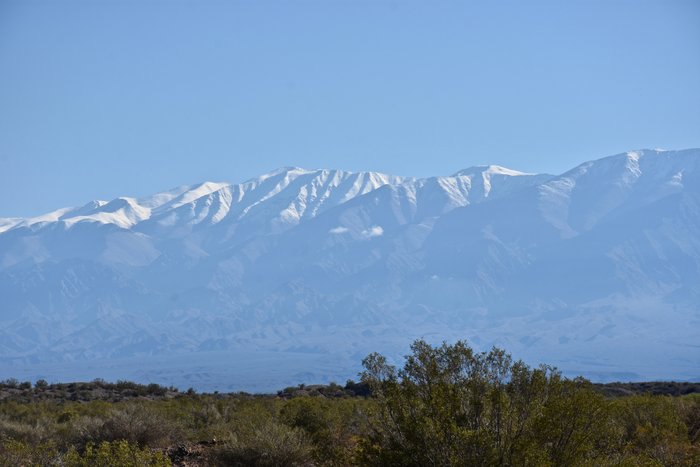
x=328, y=263
x=298, y=193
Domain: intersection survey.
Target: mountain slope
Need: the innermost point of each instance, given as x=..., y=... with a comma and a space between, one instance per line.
x=324, y=262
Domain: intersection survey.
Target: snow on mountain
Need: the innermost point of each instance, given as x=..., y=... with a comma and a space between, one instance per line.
x=7, y=223
x=303, y=264
x=503, y=181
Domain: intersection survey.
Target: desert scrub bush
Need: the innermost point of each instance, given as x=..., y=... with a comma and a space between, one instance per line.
x=20, y=453
x=658, y=429
x=332, y=425
x=198, y=417
x=689, y=409
x=206, y=417
x=268, y=444
x=81, y=431
x=32, y=432
x=137, y=424
x=115, y=454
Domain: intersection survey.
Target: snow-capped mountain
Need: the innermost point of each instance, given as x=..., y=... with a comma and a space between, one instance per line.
x=295, y=275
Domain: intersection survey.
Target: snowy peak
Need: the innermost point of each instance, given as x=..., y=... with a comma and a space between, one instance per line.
x=176, y=198
x=595, y=190
x=489, y=170
x=495, y=181
x=630, y=166
x=6, y=223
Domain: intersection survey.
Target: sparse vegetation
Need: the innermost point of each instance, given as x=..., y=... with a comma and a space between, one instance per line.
x=447, y=405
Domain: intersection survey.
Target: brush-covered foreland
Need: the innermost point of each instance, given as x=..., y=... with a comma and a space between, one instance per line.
x=447, y=405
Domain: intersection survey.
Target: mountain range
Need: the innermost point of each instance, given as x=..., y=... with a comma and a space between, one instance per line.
x=296, y=275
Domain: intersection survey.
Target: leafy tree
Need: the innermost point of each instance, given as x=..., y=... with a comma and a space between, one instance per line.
x=449, y=405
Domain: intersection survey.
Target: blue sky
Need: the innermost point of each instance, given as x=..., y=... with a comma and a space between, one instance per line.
x=106, y=98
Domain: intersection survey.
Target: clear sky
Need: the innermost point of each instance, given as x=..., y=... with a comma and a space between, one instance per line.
x=106, y=98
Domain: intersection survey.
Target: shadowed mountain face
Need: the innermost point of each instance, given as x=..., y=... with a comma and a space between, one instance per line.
x=596, y=270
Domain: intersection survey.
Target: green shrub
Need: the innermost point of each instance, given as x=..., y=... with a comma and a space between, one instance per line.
x=115, y=454
x=267, y=444
x=658, y=428
x=20, y=453
x=35, y=432
x=134, y=423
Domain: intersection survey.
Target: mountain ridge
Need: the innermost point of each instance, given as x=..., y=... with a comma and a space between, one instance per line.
x=185, y=194
x=598, y=265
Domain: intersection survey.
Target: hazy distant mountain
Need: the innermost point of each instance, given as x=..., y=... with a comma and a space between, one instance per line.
x=297, y=274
